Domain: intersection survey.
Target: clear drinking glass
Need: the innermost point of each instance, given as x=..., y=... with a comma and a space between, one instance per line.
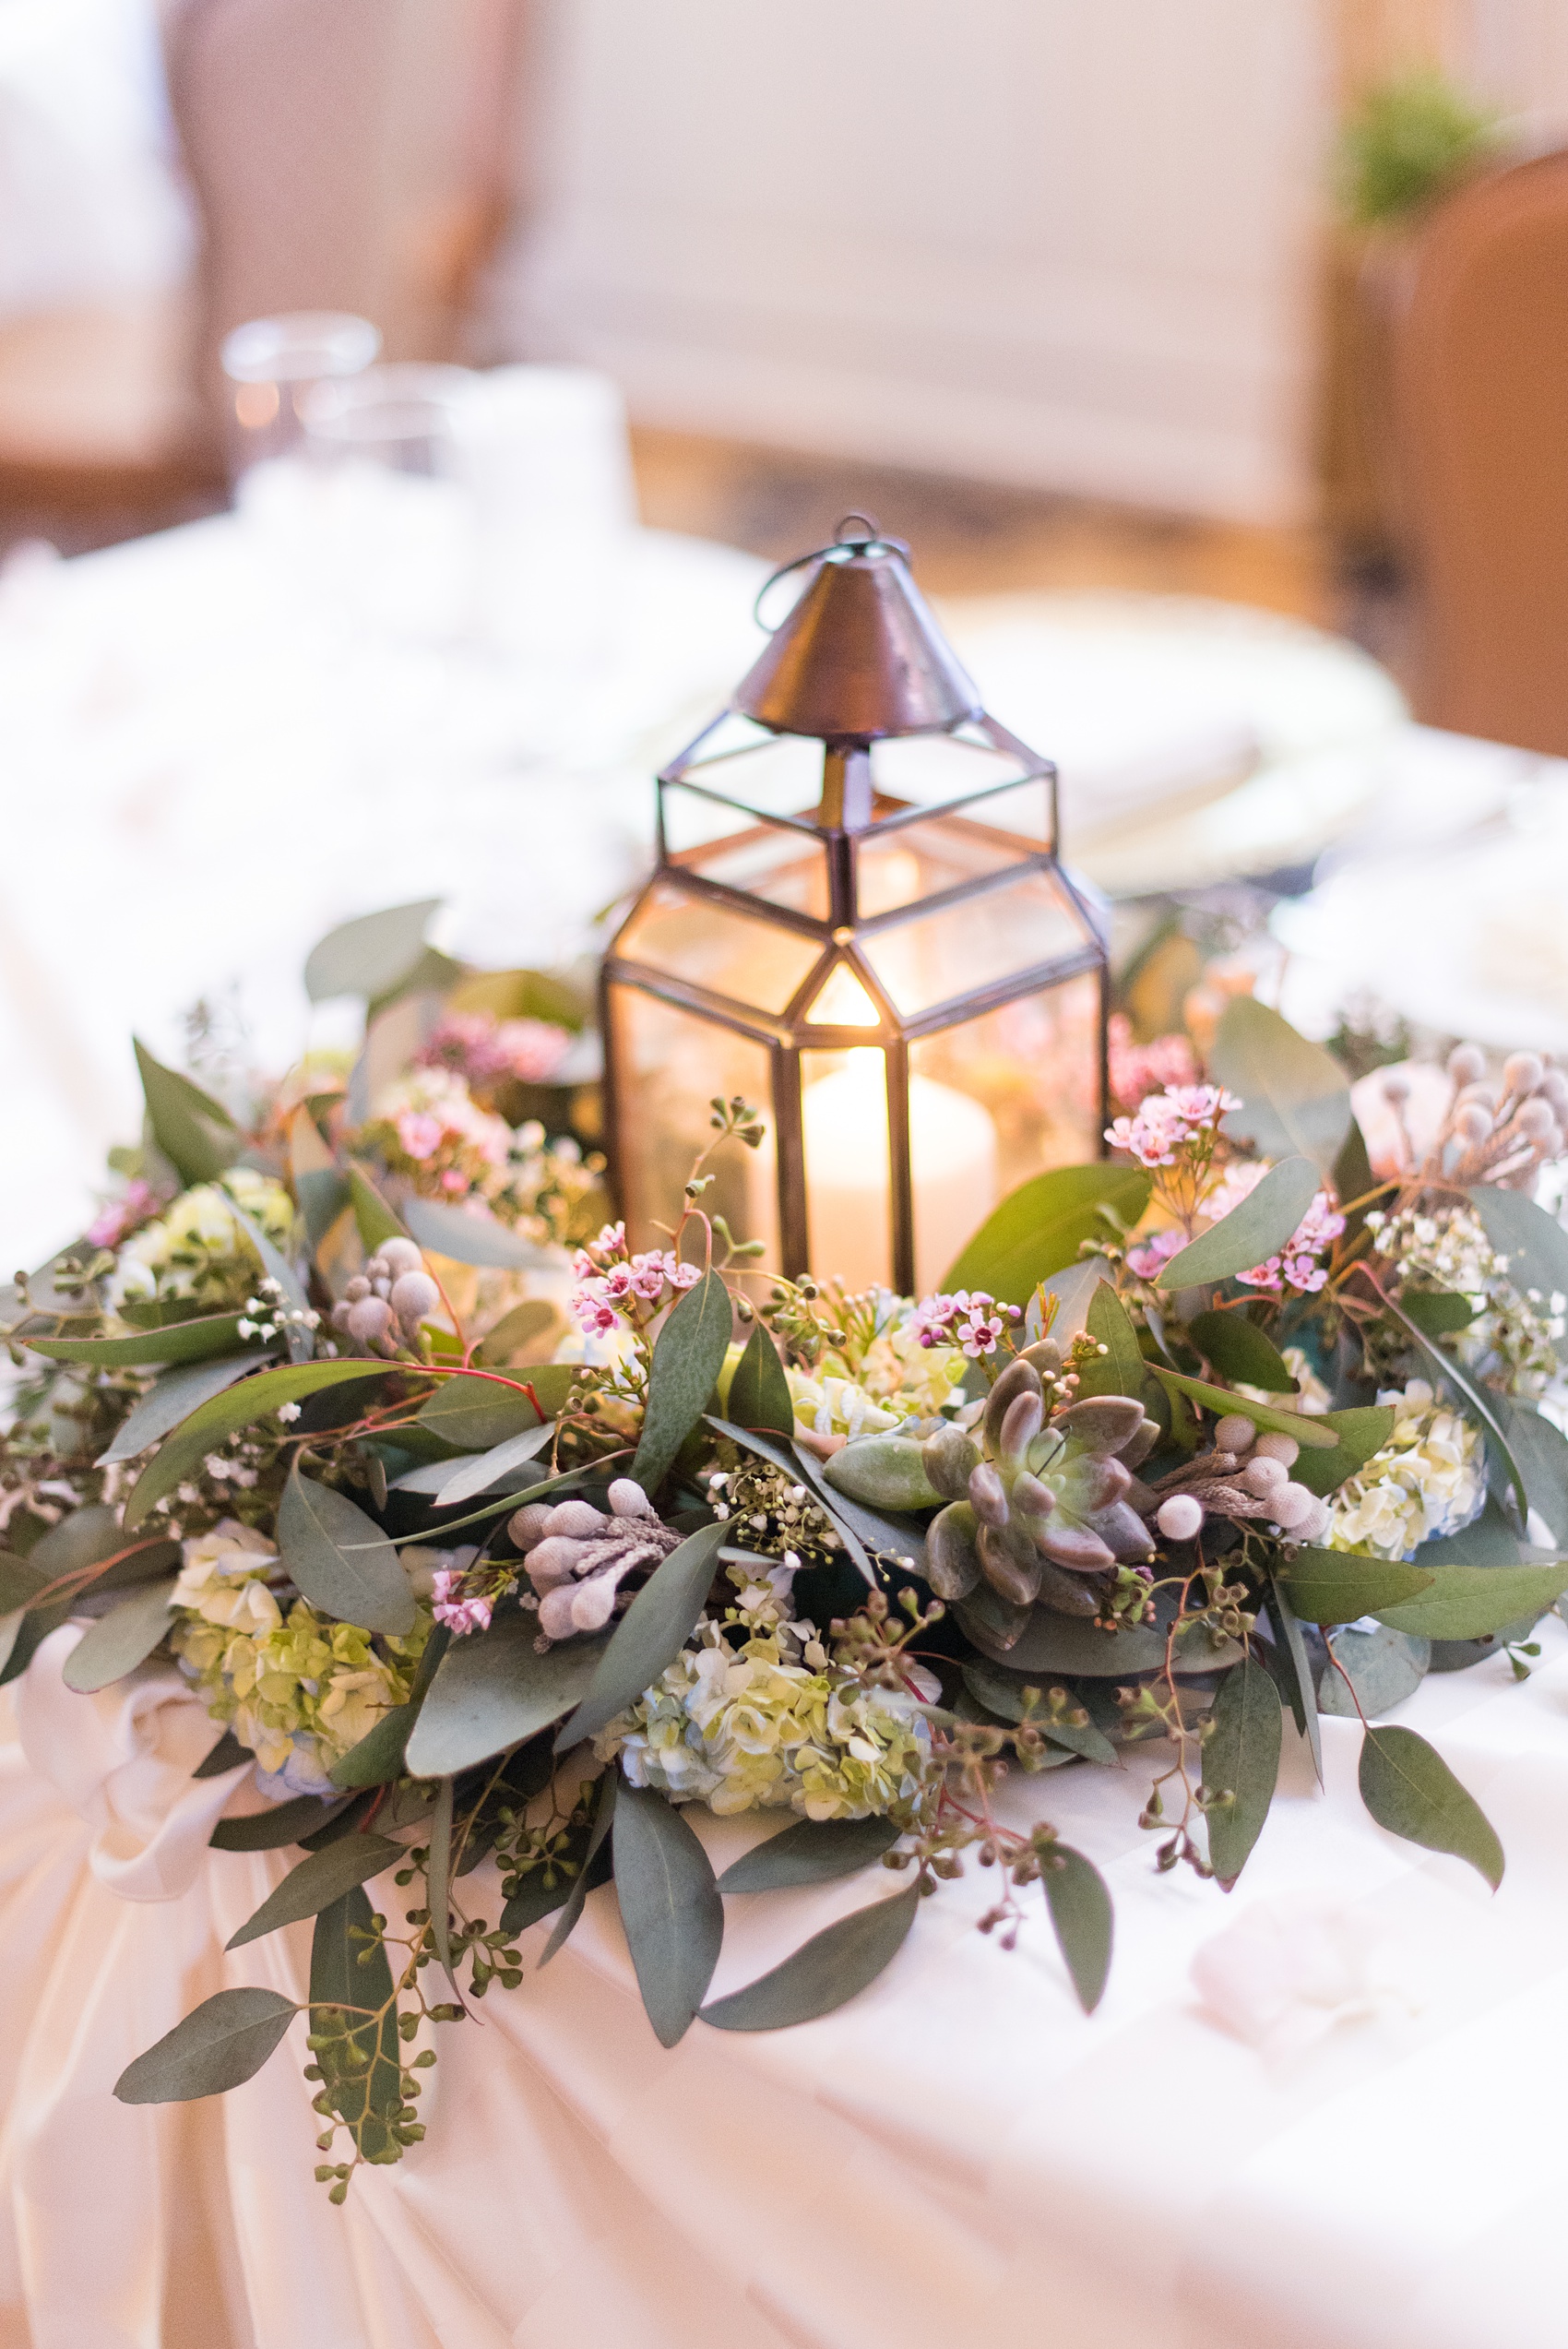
x=395, y=517
x=273, y=365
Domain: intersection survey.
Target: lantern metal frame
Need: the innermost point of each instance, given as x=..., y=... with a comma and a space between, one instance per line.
x=853, y=812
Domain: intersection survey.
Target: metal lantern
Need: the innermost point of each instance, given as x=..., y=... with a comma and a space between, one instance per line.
x=859, y=923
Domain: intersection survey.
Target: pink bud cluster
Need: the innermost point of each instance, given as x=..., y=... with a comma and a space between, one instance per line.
x=611, y=1282
x=1139, y=1069
x=491, y=1052
x=1169, y=1124
x=117, y=1219
x=1297, y=1266
x=969, y=1318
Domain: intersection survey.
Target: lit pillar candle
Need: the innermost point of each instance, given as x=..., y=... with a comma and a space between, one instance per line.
x=953, y=1158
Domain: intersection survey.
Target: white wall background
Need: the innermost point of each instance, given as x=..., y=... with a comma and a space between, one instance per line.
x=1066, y=242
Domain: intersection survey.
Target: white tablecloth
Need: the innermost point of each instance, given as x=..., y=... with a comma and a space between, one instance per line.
x=958, y=2157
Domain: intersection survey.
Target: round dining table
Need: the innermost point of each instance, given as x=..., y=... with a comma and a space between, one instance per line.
x=1319, y=2112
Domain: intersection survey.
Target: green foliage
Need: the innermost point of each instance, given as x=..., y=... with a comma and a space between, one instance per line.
x=1253, y=1232
x=669, y=1907
x=827, y=1971
x=119, y=1641
x=688, y=1354
x=1541, y=1450
x=1081, y=1917
x=379, y=1755
x=1240, y=1766
x=172, y=1397
x=1480, y=1401
x=470, y=1239
x=374, y=1219
x=1339, y=1586
x=1119, y=1370
x=1040, y=1228
x=1294, y=1094
x=1469, y=1602
x=859, y=1529
x=494, y=1692
x=1238, y=1349
x=759, y=1392
x=353, y=2020
x=223, y=1415
x=371, y=956
x=1382, y=1666
x=197, y=1341
x=603, y=1819
x=281, y=1824
x=1435, y=1313
x=1293, y=1665
x=224, y=2042
x=194, y=1132
x=474, y=1413
x=471, y=1476
x=340, y=1558
x=1534, y=1242
x=1003, y=1693
x=651, y=1633
x=1409, y=1789
x=1406, y=141
x=320, y=1880
x=1312, y=1435
x=811, y=1851
x=1357, y=1435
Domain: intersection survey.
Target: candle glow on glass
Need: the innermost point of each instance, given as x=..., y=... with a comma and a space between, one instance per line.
x=953, y=1154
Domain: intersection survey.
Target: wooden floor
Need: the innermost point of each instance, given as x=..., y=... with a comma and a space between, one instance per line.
x=968, y=537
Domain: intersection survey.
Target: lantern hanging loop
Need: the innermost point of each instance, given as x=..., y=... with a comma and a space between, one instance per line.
x=844, y=539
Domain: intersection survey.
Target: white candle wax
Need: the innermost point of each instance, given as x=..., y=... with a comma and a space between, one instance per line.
x=952, y=1151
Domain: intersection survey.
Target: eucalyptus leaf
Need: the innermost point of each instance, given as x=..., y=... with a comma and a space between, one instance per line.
x=1312, y=1435
x=1357, y=1434
x=471, y=1239
x=825, y=1972
x=1469, y=1602
x=318, y=1881
x=1338, y=1586
x=572, y=1909
x=670, y=1908
x=340, y=1558
x=1353, y=1180
x=371, y=955
x=1534, y=1242
x=1120, y=1370
x=759, y=1392
x=225, y=2041
x=492, y=1688
x=227, y=1755
x=1409, y=1789
x=277, y=1268
x=1253, y=1232
x=650, y=1634
x=1295, y=1096
x=688, y=1354
x=1435, y=1312
x=1081, y=1917
x=324, y=1193
x=194, y=1132
x=476, y=1414
x=121, y=1639
x=1072, y=1647
x=89, y=1538
x=438, y=1880
x=1383, y=1667
x=375, y=1220
x=1002, y=1692
x=222, y=1415
x=1295, y=1664
x=348, y=1971
x=20, y=1582
x=1238, y=1349
x=1240, y=1759
x=199, y=1340
x=172, y=1397
x=1040, y=1228
x=811, y=1851
x=275, y=1827
x=1541, y=1450
x=527, y=1324
x=468, y=1477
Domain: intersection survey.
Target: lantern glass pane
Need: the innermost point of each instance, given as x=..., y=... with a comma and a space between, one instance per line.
x=899, y=868
x=784, y=867
x=1033, y=1067
x=932, y=768
x=843, y=1002
x=670, y=1064
x=960, y=949
x=752, y=961
x=848, y=1189
x=774, y=774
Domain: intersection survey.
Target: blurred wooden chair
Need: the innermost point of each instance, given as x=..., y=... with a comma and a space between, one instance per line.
x=346, y=155
x=1481, y=389
x=343, y=155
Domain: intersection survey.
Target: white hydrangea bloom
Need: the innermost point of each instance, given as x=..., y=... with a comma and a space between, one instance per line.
x=198, y=1249
x=1428, y=1479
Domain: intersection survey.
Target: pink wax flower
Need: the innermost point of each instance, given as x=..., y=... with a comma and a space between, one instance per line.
x=1138, y=1069
x=420, y=1132
x=460, y=1615
x=117, y=1219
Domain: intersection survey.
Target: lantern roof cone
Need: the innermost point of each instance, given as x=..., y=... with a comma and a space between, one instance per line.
x=860, y=656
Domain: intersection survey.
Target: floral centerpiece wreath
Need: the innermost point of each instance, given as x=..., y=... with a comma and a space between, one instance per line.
x=1232, y=1426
